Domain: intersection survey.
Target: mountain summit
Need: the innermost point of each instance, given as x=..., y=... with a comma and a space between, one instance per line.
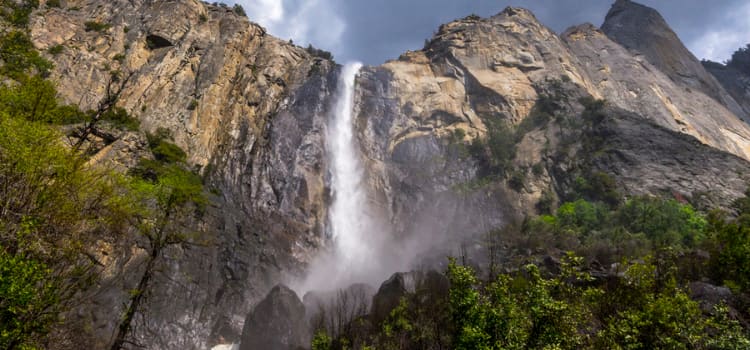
x=644, y=31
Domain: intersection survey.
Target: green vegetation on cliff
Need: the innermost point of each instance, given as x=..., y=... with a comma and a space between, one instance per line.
x=56, y=206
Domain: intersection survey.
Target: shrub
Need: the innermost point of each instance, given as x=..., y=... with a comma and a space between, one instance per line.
x=95, y=26
x=19, y=56
x=17, y=12
x=193, y=105
x=120, y=118
x=56, y=50
x=315, y=52
x=239, y=10
x=666, y=223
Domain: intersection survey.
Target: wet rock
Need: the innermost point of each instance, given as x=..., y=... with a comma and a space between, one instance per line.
x=277, y=323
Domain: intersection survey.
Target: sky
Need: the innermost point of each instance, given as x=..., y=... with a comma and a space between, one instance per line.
x=373, y=31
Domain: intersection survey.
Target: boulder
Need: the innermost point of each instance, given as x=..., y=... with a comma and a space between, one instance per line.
x=431, y=284
x=276, y=323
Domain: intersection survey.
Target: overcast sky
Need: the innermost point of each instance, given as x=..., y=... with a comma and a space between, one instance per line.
x=373, y=31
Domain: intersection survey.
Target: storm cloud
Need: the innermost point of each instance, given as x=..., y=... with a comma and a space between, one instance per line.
x=377, y=30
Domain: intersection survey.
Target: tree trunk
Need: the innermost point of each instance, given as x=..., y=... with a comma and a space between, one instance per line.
x=136, y=300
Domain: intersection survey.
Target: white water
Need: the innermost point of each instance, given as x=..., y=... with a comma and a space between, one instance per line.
x=352, y=258
x=348, y=216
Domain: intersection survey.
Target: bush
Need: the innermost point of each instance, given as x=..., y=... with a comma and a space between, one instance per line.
x=239, y=10
x=95, y=26
x=667, y=223
x=34, y=99
x=30, y=300
x=56, y=50
x=19, y=56
x=741, y=60
x=193, y=105
x=495, y=153
x=17, y=12
x=121, y=119
x=315, y=52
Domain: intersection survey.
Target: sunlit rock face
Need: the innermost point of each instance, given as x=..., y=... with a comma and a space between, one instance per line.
x=643, y=31
x=253, y=113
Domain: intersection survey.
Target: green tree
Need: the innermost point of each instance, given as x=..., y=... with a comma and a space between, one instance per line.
x=168, y=196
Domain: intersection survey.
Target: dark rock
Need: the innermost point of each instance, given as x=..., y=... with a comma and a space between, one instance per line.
x=431, y=285
x=277, y=323
x=710, y=295
x=736, y=82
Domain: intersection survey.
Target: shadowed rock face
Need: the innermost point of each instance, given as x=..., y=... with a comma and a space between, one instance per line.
x=257, y=133
x=277, y=323
x=644, y=31
x=734, y=80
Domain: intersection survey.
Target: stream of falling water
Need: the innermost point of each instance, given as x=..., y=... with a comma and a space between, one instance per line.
x=348, y=216
x=351, y=258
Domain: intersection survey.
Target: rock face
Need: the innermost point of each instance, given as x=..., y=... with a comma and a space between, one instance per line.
x=735, y=80
x=277, y=323
x=644, y=31
x=252, y=110
x=249, y=110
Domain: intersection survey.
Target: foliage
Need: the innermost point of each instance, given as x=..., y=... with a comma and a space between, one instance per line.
x=741, y=60
x=321, y=341
x=643, y=303
x=730, y=250
x=320, y=53
x=495, y=153
x=19, y=56
x=523, y=311
x=120, y=118
x=239, y=10
x=648, y=317
x=667, y=223
x=16, y=13
x=597, y=186
x=96, y=26
x=28, y=299
x=593, y=112
x=56, y=50
x=34, y=98
x=54, y=207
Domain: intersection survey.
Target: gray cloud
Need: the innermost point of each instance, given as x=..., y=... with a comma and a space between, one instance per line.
x=376, y=30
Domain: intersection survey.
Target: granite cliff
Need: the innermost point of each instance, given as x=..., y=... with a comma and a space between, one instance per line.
x=252, y=110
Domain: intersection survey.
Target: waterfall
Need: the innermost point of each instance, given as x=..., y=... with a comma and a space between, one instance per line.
x=347, y=215
x=351, y=258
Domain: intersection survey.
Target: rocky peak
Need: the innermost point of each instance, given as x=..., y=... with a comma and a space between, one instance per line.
x=643, y=30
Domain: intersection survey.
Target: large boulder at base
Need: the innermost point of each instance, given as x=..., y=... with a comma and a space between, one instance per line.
x=431, y=284
x=277, y=323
